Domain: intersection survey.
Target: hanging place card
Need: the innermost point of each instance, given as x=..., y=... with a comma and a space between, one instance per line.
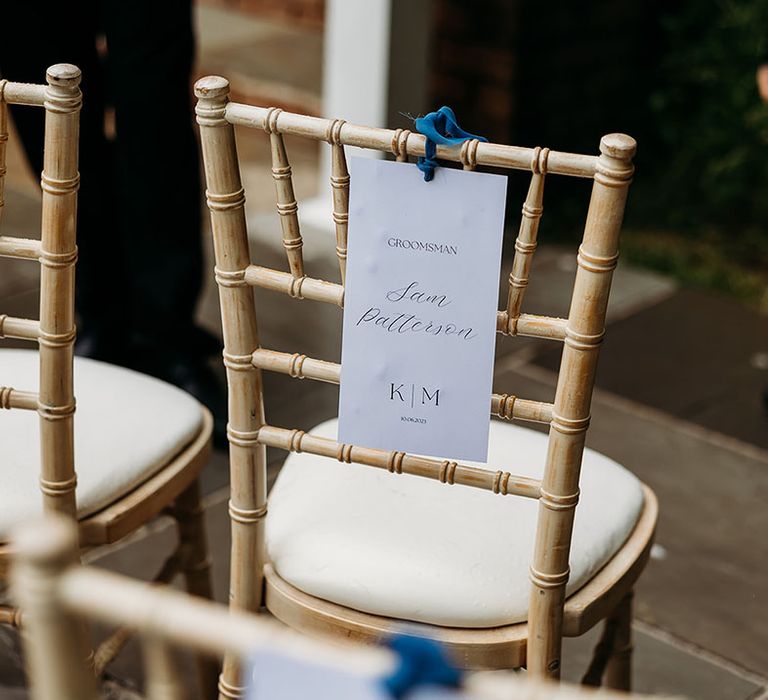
x=420, y=306
x=274, y=676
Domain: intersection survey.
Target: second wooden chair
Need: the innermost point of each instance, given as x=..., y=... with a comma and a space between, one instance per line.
x=137, y=445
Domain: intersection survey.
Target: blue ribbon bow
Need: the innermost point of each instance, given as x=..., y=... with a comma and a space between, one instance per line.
x=441, y=128
x=421, y=662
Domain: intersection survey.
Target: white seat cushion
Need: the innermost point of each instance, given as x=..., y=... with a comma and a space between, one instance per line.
x=415, y=549
x=127, y=426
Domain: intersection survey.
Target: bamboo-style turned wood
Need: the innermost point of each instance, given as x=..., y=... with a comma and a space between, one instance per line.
x=248, y=475
x=488, y=154
x=3, y=148
x=584, y=333
x=445, y=471
x=580, y=332
x=63, y=596
x=21, y=248
x=399, y=144
x=13, y=398
x=525, y=245
x=340, y=187
x=468, y=154
x=55, y=334
x=19, y=328
x=303, y=367
x=529, y=325
x=59, y=181
x=287, y=207
x=296, y=287
x=28, y=94
x=55, y=640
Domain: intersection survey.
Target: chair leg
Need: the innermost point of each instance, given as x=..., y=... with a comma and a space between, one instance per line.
x=618, y=671
x=196, y=567
x=611, y=663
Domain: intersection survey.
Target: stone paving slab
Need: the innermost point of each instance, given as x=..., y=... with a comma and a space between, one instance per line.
x=663, y=668
x=709, y=581
x=694, y=355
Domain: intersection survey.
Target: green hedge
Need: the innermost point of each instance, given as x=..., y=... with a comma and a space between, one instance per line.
x=709, y=128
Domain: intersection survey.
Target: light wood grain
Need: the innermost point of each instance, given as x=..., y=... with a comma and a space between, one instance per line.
x=65, y=596
x=55, y=335
x=301, y=366
x=296, y=287
x=19, y=328
x=287, y=207
x=23, y=94
x=493, y=648
x=12, y=247
x=445, y=471
x=340, y=188
x=488, y=154
x=526, y=242
x=12, y=398
x=59, y=181
x=568, y=417
x=151, y=497
x=248, y=475
x=3, y=149
x=56, y=651
x=583, y=335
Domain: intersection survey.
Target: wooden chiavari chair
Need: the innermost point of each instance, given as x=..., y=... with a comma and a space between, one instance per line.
x=361, y=554
x=63, y=596
x=138, y=444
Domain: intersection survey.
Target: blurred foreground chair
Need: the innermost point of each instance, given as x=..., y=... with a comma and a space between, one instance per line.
x=63, y=596
x=362, y=554
x=138, y=444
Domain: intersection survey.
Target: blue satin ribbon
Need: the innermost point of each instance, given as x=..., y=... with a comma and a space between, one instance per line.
x=440, y=128
x=420, y=662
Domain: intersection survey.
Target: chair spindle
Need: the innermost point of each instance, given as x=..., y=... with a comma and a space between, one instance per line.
x=525, y=244
x=287, y=207
x=248, y=476
x=59, y=181
x=584, y=333
x=340, y=186
x=3, y=144
x=55, y=640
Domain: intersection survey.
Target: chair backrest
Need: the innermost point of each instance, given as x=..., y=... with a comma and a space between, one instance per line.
x=56, y=252
x=59, y=597
x=581, y=333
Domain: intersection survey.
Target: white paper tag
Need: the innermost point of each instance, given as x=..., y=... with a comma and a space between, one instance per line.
x=420, y=308
x=273, y=676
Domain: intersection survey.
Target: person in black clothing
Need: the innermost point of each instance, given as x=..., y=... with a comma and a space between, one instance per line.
x=139, y=228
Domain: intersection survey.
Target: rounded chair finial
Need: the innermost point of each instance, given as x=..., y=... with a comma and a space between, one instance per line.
x=212, y=86
x=64, y=74
x=618, y=146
